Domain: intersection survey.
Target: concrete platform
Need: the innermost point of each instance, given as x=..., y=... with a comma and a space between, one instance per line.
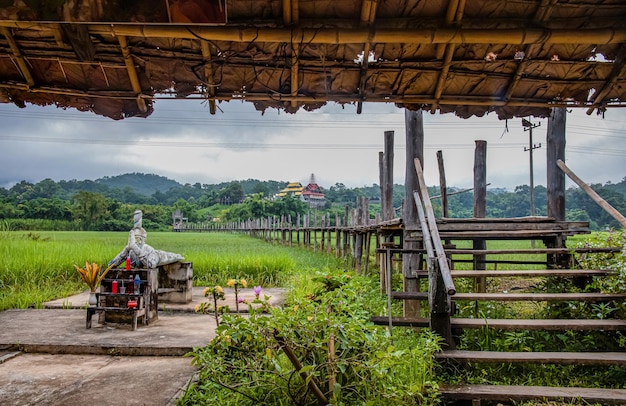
x=48, y=357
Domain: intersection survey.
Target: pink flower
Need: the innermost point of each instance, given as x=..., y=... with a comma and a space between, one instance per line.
x=257, y=291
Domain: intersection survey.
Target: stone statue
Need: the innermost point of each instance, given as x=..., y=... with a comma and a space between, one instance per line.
x=140, y=253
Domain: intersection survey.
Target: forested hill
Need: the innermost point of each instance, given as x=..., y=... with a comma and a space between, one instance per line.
x=143, y=184
x=116, y=196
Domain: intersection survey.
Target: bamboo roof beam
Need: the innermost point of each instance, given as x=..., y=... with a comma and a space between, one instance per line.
x=295, y=54
x=543, y=12
x=619, y=65
x=449, y=18
x=286, y=13
x=340, y=98
x=19, y=58
x=295, y=48
x=353, y=36
x=132, y=73
x=58, y=36
x=368, y=16
x=454, y=14
x=208, y=74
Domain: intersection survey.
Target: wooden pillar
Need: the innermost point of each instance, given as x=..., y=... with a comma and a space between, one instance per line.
x=298, y=230
x=358, y=238
x=346, y=234
x=414, y=127
x=480, y=205
x=555, y=141
x=386, y=195
x=442, y=184
x=337, y=229
x=386, y=186
x=555, y=150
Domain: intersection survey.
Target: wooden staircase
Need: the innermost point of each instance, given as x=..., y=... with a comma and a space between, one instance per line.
x=461, y=394
x=443, y=300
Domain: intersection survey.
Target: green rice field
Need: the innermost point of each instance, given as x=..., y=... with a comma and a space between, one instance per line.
x=39, y=266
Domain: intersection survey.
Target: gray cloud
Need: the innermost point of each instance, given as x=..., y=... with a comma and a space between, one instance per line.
x=182, y=141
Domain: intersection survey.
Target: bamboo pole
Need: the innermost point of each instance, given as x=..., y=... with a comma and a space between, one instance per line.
x=596, y=197
x=311, y=381
x=330, y=35
x=132, y=73
x=19, y=58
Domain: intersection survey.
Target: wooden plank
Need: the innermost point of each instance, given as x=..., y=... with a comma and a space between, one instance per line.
x=528, y=273
x=512, y=226
x=511, y=324
x=526, y=219
x=569, y=358
x=517, y=393
x=516, y=297
x=598, y=250
x=541, y=297
x=401, y=321
x=505, y=234
x=541, y=324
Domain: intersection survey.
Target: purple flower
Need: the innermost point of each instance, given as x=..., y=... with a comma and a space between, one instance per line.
x=257, y=291
x=240, y=300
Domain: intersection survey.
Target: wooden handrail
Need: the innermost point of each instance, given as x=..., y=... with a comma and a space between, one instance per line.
x=596, y=197
x=434, y=232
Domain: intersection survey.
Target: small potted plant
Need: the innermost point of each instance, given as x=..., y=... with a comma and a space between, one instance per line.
x=92, y=276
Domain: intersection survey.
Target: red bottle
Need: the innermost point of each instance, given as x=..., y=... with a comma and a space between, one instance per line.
x=114, y=287
x=128, y=263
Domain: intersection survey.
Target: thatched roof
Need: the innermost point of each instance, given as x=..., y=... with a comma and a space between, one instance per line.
x=470, y=57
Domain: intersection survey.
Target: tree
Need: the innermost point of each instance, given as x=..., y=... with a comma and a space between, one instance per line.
x=189, y=210
x=90, y=209
x=231, y=194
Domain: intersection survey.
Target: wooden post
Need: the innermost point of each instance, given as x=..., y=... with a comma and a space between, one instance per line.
x=346, y=234
x=337, y=235
x=387, y=177
x=555, y=150
x=480, y=206
x=414, y=127
x=591, y=193
x=358, y=241
x=381, y=179
x=442, y=184
x=329, y=243
x=555, y=183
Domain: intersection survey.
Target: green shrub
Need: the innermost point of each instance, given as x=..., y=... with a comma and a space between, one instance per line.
x=335, y=348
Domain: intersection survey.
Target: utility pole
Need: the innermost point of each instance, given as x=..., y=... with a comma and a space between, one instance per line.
x=528, y=126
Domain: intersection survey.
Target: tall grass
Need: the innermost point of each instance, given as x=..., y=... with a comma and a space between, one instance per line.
x=38, y=266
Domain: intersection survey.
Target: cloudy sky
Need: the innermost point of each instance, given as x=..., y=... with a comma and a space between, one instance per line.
x=183, y=142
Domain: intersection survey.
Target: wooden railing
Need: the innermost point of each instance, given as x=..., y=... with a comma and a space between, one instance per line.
x=440, y=284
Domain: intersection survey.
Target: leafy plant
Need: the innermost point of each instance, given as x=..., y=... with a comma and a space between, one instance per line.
x=319, y=348
x=91, y=274
x=215, y=293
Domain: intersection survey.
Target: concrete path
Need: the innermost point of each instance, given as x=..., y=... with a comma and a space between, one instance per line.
x=48, y=357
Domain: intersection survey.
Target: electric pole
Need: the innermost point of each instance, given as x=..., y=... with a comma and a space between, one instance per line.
x=528, y=126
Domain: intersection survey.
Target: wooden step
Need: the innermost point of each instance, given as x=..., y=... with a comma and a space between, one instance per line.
x=510, y=324
x=581, y=250
x=565, y=358
x=509, y=393
x=527, y=273
x=504, y=235
x=516, y=297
